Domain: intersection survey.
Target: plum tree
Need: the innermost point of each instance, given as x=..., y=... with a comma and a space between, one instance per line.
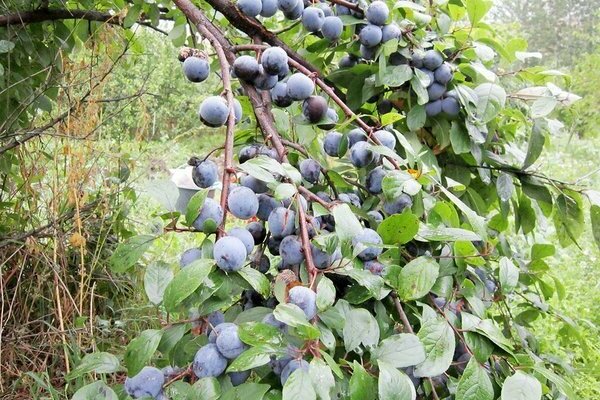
x=209, y=362
x=229, y=253
x=300, y=87
x=310, y=170
x=377, y=13
x=211, y=215
x=314, y=108
x=148, y=382
x=332, y=27
x=242, y=202
x=245, y=236
x=281, y=222
x=313, y=19
x=370, y=241
x=304, y=298
x=196, y=69
x=205, y=173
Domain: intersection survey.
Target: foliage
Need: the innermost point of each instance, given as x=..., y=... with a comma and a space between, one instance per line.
x=584, y=118
x=458, y=289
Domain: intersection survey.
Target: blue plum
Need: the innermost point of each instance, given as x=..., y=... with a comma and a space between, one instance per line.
x=374, y=180
x=213, y=111
x=246, y=68
x=432, y=60
x=205, y=174
x=242, y=202
x=208, y=362
x=196, y=69
x=279, y=95
x=331, y=143
x=386, y=139
x=370, y=36
x=229, y=344
x=148, y=382
x=290, y=250
x=292, y=366
x=367, y=238
x=361, y=154
x=258, y=232
x=251, y=8
x=304, y=298
x=211, y=210
x=332, y=28
x=274, y=60
x=310, y=170
x=230, y=253
x=300, y=86
x=313, y=19
x=245, y=236
x=281, y=222
x=397, y=205
x=189, y=256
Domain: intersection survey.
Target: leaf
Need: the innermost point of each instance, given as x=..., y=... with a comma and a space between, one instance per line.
x=395, y=76
x=257, y=280
x=568, y=218
x=100, y=362
x=346, y=224
x=491, y=99
x=416, y=118
x=186, y=282
x=245, y=391
x=476, y=9
x=400, y=350
x=362, y=385
x=6, y=46
x=521, y=386
x=441, y=234
x=251, y=358
x=595, y=217
x=299, y=386
x=536, y=145
x=543, y=106
x=505, y=187
x=207, y=388
x=398, y=228
x=132, y=15
x=509, y=275
x=194, y=205
x=95, y=391
x=438, y=339
x=474, y=384
x=397, y=182
x=417, y=278
x=325, y=293
x=394, y=384
x=360, y=328
x=156, y=278
x=140, y=350
x=284, y=191
x=322, y=378
x=129, y=252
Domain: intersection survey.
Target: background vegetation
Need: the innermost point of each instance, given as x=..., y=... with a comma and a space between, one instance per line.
x=95, y=178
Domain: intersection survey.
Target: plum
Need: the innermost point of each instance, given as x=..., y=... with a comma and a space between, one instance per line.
x=170, y=371
x=314, y=108
x=287, y=5
x=332, y=28
x=284, y=72
x=342, y=10
x=356, y=135
x=245, y=236
x=377, y=12
x=229, y=344
x=273, y=245
x=264, y=81
x=147, y=382
x=350, y=198
x=313, y=19
x=242, y=202
x=397, y=59
x=247, y=152
x=270, y=319
x=332, y=116
x=217, y=329
x=300, y=86
x=370, y=36
x=417, y=59
x=450, y=106
x=430, y=76
x=375, y=267
x=205, y=174
x=263, y=264
x=250, y=8
x=347, y=61
x=230, y=253
x=246, y=68
x=214, y=319
x=310, y=170
x=208, y=362
x=436, y=91
x=384, y=106
x=368, y=53
x=296, y=12
x=266, y=204
x=313, y=225
x=292, y=366
x=432, y=60
x=254, y=184
x=237, y=378
x=189, y=256
x=386, y=138
x=214, y=111
x=321, y=259
x=361, y=154
x=374, y=180
x=304, y=298
x=211, y=210
x=269, y=152
x=274, y=60
x=331, y=143
x=365, y=238
x=290, y=250
x=196, y=69
x=281, y=222
x=443, y=74
x=376, y=216
x=433, y=108
x=279, y=95
x=390, y=31
x=258, y=232
x=397, y=205
x=268, y=8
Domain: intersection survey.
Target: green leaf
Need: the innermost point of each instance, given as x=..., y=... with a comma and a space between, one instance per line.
x=476, y=9
x=284, y=191
x=400, y=350
x=362, y=385
x=475, y=384
x=322, y=378
x=299, y=386
x=509, y=275
x=252, y=358
x=395, y=76
x=394, y=384
x=542, y=250
x=568, y=218
x=397, y=182
x=6, y=46
x=259, y=333
x=129, y=252
x=140, y=350
x=246, y=391
x=360, y=328
x=417, y=278
x=95, y=391
x=491, y=100
x=207, y=388
x=186, y=282
x=132, y=15
x=398, y=228
x=325, y=293
x=505, y=187
x=438, y=338
x=481, y=346
x=536, y=145
x=347, y=225
x=100, y=362
x=521, y=386
x=257, y=280
x=459, y=138
x=291, y=314
x=416, y=118
x=156, y=278
x=595, y=218
x=441, y=234
x=194, y=205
